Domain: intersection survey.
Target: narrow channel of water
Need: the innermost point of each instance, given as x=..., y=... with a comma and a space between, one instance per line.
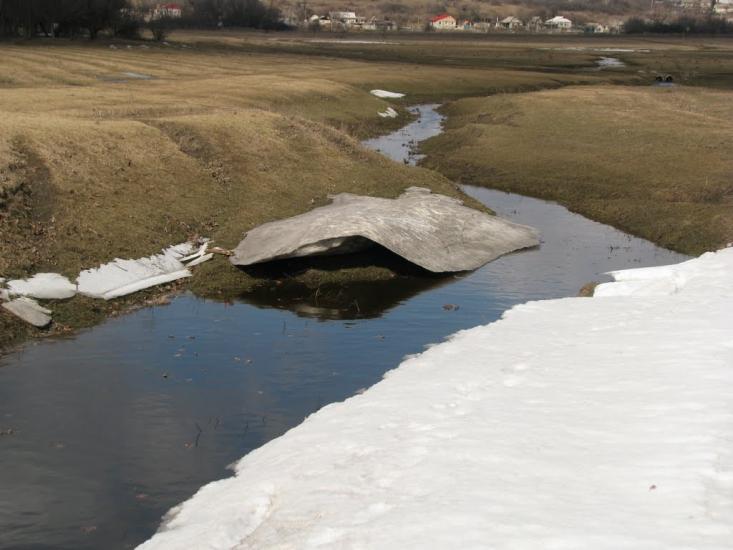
x=114, y=426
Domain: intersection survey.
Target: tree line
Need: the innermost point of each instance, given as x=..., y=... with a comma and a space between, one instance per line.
x=56, y=17
x=684, y=24
x=89, y=18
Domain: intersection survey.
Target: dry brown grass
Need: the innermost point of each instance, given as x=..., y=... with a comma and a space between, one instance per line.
x=95, y=164
x=231, y=130
x=653, y=161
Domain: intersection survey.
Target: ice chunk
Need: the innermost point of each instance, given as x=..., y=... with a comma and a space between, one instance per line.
x=44, y=286
x=121, y=277
x=29, y=311
x=386, y=94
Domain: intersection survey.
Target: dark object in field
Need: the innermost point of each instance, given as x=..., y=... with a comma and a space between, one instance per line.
x=433, y=231
x=664, y=78
x=668, y=78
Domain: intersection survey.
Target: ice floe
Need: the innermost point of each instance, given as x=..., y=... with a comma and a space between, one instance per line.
x=574, y=423
x=389, y=113
x=121, y=277
x=44, y=286
x=111, y=280
x=29, y=311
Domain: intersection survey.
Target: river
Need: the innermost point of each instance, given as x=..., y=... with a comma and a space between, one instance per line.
x=115, y=425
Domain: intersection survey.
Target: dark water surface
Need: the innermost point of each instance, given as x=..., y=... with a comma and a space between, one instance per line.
x=116, y=425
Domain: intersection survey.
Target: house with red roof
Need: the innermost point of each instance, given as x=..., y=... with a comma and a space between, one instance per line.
x=443, y=22
x=172, y=11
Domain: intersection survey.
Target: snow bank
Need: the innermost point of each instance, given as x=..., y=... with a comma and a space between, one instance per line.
x=599, y=423
x=122, y=277
x=45, y=286
x=386, y=95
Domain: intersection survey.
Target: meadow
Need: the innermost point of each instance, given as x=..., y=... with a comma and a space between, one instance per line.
x=120, y=148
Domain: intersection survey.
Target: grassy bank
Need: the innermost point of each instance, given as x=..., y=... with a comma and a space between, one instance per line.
x=119, y=151
x=652, y=161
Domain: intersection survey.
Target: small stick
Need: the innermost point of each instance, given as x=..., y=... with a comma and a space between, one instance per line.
x=219, y=250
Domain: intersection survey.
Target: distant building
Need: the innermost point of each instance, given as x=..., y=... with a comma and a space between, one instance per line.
x=381, y=25
x=321, y=21
x=443, y=22
x=616, y=27
x=483, y=26
x=172, y=11
x=595, y=28
x=511, y=23
x=723, y=7
x=559, y=23
x=346, y=18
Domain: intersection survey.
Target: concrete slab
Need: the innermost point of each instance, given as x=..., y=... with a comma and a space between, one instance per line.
x=433, y=231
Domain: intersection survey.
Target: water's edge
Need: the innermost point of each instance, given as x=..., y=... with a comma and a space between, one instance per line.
x=113, y=427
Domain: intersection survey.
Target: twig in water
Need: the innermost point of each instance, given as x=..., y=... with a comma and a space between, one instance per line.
x=198, y=435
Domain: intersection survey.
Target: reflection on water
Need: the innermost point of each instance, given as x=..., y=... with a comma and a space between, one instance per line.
x=115, y=426
x=355, y=300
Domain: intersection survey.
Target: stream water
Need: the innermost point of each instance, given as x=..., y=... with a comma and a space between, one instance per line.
x=112, y=427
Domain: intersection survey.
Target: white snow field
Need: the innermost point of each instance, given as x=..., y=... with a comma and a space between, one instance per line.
x=579, y=423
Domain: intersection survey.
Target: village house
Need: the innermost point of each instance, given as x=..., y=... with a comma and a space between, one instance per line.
x=595, y=28
x=319, y=21
x=464, y=25
x=482, y=26
x=723, y=7
x=346, y=18
x=511, y=23
x=443, y=22
x=172, y=11
x=559, y=23
x=382, y=25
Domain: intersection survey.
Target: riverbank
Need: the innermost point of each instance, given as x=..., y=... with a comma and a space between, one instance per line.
x=214, y=133
x=609, y=428
x=165, y=142
x=653, y=161
x=132, y=417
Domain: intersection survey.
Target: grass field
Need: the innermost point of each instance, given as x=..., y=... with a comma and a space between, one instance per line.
x=652, y=161
x=120, y=149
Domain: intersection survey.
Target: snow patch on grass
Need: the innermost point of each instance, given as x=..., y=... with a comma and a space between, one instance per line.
x=384, y=94
x=610, y=63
